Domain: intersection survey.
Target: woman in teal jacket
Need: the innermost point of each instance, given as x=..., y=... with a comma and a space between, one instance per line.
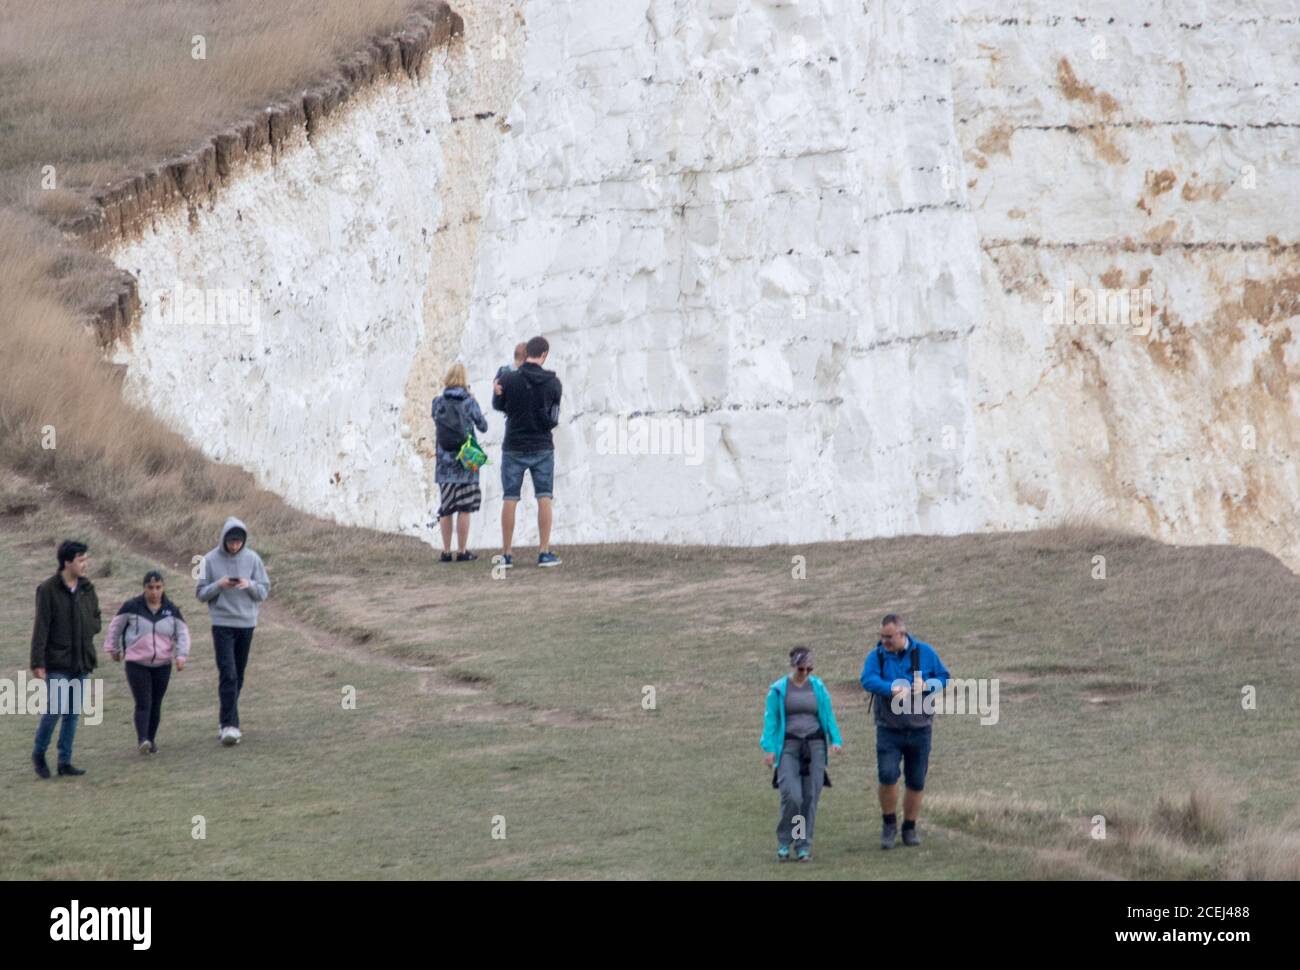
x=796, y=727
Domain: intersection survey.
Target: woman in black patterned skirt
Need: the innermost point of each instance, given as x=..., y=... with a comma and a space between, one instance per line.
x=455, y=413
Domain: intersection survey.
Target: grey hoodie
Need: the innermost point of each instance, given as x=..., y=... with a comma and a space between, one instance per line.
x=232, y=607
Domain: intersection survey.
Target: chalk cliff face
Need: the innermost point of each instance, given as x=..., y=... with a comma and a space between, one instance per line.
x=328, y=242
x=840, y=256
x=1150, y=150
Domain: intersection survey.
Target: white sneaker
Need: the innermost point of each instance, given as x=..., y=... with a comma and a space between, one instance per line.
x=227, y=737
x=235, y=733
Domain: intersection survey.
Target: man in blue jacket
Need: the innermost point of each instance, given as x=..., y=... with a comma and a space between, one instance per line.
x=901, y=673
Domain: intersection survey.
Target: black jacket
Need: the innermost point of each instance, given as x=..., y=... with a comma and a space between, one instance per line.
x=530, y=398
x=66, y=623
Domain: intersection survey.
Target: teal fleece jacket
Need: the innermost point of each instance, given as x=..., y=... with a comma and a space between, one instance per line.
x=773, y=739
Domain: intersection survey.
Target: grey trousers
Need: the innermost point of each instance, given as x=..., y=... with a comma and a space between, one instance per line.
x=799, y=794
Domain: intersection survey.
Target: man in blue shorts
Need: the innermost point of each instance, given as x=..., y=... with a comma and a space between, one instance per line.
x=530, y=398
x=900, y=666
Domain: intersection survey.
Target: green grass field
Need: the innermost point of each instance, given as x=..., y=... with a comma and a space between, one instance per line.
x=521, y=698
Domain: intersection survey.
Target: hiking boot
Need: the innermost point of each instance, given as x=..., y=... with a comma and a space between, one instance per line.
x=445, y=557
x=548, y=559
x=910, y=837
x=69, y=770
x=41, y=765
x=782, y=853
x=465, y=556
x=804, y=854
x=888, y=833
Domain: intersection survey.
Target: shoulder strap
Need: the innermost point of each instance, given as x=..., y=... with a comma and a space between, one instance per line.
x=880, y=660
x=916, y=658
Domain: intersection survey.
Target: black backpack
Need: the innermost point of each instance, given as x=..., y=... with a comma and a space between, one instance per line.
x=451, y=424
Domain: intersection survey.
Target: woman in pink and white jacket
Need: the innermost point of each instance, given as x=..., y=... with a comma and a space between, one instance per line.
x=149, y=632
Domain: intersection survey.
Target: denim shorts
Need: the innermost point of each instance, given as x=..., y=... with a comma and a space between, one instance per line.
x=909, y=745
x=541, y=464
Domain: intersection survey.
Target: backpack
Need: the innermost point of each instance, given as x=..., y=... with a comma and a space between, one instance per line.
x=455, y=433
x=451, y=423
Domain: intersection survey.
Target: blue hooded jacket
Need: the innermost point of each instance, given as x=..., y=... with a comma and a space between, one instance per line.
x=898, y=667
x=773, y=739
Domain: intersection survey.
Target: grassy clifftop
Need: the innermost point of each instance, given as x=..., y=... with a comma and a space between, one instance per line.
x=103, y=89
x=522, y=698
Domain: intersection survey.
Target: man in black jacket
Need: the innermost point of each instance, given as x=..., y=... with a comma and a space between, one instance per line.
x=530, y=398
x=63, y=652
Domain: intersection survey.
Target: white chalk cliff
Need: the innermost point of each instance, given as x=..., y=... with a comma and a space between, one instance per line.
x=823, y=233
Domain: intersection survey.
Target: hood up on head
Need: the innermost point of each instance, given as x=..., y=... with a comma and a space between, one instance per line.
x=232, y=523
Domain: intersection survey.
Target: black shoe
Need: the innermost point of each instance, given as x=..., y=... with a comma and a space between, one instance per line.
x=41, y=765
x=910, y=837
x=888, y=833
x=69, y=770
x=445, y=557
x=153, y=748
x=465, y=557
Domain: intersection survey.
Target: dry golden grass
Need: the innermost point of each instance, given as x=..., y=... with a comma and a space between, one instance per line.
x=1202, y=816
x=99, y=88
x=1197, y=832
x=1267, y=854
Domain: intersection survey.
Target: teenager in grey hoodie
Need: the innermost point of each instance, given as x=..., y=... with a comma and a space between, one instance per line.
x=233, y=582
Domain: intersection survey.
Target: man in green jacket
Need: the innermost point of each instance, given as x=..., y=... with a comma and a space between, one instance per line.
x=63, y=652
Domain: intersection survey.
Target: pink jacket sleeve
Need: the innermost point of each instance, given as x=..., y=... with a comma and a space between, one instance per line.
x=113, y=640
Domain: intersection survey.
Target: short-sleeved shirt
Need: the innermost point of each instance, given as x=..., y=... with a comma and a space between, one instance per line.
x=801, y=720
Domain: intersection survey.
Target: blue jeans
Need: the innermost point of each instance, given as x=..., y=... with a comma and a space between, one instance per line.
x=232, y=645
x=540, y=464
x=910, y=745
x=63, y=698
